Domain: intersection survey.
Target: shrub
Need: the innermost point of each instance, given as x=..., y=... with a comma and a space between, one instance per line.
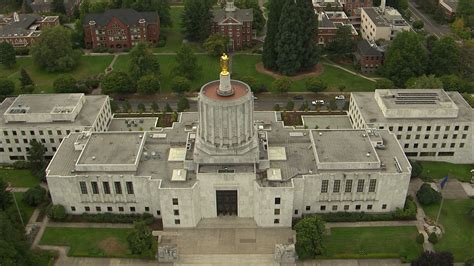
x=183, y=104
x=117, y=218
x=57, y=213
x=315, y=85
x=281, y=85
x=417, y=169
x=66, y=84
x=92, y=83
x=21, y=165
x=255, y=85
x=426, y=195
x=22, y=51
x=434, y=258
x=310, y=237
x=420, y=238
x=408, y=212
x=35, y=196
x=469, y=262
x=433, y=238
x=180, y=85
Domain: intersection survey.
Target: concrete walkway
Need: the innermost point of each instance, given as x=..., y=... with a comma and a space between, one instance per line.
x=19, y=189
x=90, y=225
x=415, y=184
x=372, y=224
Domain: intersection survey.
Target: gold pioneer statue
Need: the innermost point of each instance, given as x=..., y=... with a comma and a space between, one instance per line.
x=224, y=64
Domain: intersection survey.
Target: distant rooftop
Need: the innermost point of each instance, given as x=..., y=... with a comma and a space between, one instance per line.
x=387, y=18
x=125, y=15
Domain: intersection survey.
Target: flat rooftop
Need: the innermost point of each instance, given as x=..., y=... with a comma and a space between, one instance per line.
x=391, y=17
x=112, y=148
x=45, y=103
x=326, y=121
x=133, y=124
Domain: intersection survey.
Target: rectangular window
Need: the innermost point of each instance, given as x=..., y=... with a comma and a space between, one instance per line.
x=406, y=146
x=384, y=206
x=418, y=128
x=337, y=186
x=372, y=185
x=346, y=207
x=415, y=145
x=73, y=208
x=147, y=209
x=400, y=128
x=417, y=136
x=453, y=145
x=434, y=145
x=109, y=209
x=324, y=186
x=427, y=136
x=358, y=207
x=129, y=187
x=334, y=207
x=83, y=187
x=360, y=185
x=428, y=128
x=456, y=128
x=296, y=212
x=97, y=209
x=95, y=188
x=466, y=128
x=410, y=128
x=447, y=128
x=455, y=136
x=276, y=212
x=276, y=221
x=348, y=185
x=369, y=207
x=106, y=187
x=158, y=213
x=132, y=209
x=436, y=136
x=120, y=209
x=443, y=145
x=87, y=208
x=308, y=208
x=177, y=221
x=118, y=188
x=277, y=200
x=176, y=212
x=323, y=207
x=175, y=201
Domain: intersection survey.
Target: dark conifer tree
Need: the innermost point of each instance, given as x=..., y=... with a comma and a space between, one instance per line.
x=269, y=52
x=309, y=26
x=289, y=45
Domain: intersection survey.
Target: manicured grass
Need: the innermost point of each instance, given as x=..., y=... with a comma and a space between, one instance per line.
x=458, y=226
x=438, y=170
x=26, y=209
x=373, y=242
x=18, y=178
x=88, y=66
x=90, y=242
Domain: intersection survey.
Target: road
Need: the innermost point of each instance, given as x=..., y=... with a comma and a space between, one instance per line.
x=430, y=25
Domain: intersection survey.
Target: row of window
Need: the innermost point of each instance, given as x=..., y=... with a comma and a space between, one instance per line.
x=435, y=136
x=348, y=186
x=433, y=145
x=19, y=149
x=111, y=209
x=428, y=128
x=40, y=132
x=429, y=154
x=346, y=207
x=106, y=187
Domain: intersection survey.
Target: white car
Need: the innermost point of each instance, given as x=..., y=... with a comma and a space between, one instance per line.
x=340, y=97
x=316, y=102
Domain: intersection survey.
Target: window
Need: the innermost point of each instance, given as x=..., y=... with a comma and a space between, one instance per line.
x=346, y=207
x=296, y=212
x=83, y=187
x=384, y=206
x=129, y=187
x=276, y=221
x=276, y=212
x=453, y=145
x=120, y=209
x=132, y=209
x=348, y=186
x=50, y=132
x=399, y=136
x=372, y=185
x=337, y=186
x=118, y=188
x=428, y=128
x=324, y=186
x=408, y=137
x=455, y=136
x=334, y=207
x=360, y=185
x=106, y=187
x=369, y=207
x=390, y=128
x=175, y=201
x=447, y=128
x=415, y=145
x=97, y=209
x=427, y=136
x=400, y=128
x=277, y=200
x=425, y=145
x=32, y=133
x=109, y=209
x=147, y=209
x=406, y=146
x=323, y=207
x=87, y=208
x=308, y=208
x=464, y=136
x=358, y=207
x=73, y=208
x=461, y=145
x=418, y=128
x=443, y=145
x=158, y=213
x=410, y=128
x=177, y=221
x=176, y=212
x=417, y=136
x=456, y=128
x=436, y=136
x=466, y=128
x=95, y=188
x=434, y=145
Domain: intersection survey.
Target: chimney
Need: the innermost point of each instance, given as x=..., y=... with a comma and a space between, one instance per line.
x=229, y=6
x=16, y=18
x=382, y=6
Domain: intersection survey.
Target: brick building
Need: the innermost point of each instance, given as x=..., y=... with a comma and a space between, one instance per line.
x=235, y=23
x=120, y=29
x=44, y=6
x=22, y=30
x=368, y=57
x=329, y=22
x=327, y=5
x=353, y=9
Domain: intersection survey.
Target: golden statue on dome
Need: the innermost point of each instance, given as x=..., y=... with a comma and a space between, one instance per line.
x=224, y=64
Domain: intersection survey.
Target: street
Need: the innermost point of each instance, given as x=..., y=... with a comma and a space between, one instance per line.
x=430, y=25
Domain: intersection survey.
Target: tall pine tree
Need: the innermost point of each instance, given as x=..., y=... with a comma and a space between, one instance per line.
x=309, y=26
x=196, y=19
x=269, y=52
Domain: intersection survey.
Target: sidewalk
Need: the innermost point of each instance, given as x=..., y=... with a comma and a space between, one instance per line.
x=371, y=224
x=90, y=225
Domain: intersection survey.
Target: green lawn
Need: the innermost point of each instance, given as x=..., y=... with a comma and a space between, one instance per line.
x=373, y=242
x=88, y=66
x=438, y=170
x=459, y=227
x=90, y=242
x=26, y=209
x=19, y=178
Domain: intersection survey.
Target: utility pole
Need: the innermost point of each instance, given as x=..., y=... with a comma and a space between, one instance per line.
x=16, y=205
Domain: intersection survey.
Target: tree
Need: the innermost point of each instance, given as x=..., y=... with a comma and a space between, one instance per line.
x=255, y=85
x=467, y=60
x=416, y=168
x=465, y=10
x=269, y=55
x=140, y=240
x=444, y=58
x=155, y=107
x=196, y=19
x=384, y=84
x=405, y=58
x=7, y=55
x=117, y=82
x=167, y=108
x=424, y=82
x=27, y=89
x=315, y=85
x=180, y=85
x=57, y=213
x=332, y=104
x=289, y=44
x=281, y=85
x=7, y=87
x=426, y=195
x=25, y=78
x=418, y=24
x=6, y=199
x=163, y=9
x=342, y=43
x=36, y=159
x=310, y=237
x=276, y=107
x=433, y=238
x=57, y=6
x=452, y=83
x=143, y=62
x=216, y=44
x=428, y=258
x=290, y=105
x=141, y=108
x=308, y=56
x=53, y=51
x=258, y=19
x=35, y=196
x=183, y=104
x=148, y=84
x=187, y=63
x=66, y=84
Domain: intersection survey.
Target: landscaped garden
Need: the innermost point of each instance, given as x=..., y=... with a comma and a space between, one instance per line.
x=373, y=242
x=91, y=242
x=19, y=177
x=88, y=66
x=458, y=224
x=438, y=170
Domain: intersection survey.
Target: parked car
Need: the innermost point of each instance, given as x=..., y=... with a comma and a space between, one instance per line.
x=316, y=102
x=298, y=98
x=340, y=97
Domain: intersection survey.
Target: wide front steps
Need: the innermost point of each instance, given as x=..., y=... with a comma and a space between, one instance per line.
x=227, y=259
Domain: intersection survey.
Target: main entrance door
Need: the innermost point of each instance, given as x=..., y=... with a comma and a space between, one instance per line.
x=226, y=202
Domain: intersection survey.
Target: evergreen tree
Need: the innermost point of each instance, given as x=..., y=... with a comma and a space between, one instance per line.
x=289, y=45
x=6, y=199
x=196, y=19
x=342, y=43
x=258, y=19
x=269, y=55
x=25, y=78
x=424, y=82
x=7, y=55
x=142, y=62
x=309, y=26
x=57, y=6
x=187, y=63
x=163, y=9
x=444, y=58
x=36, y=159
